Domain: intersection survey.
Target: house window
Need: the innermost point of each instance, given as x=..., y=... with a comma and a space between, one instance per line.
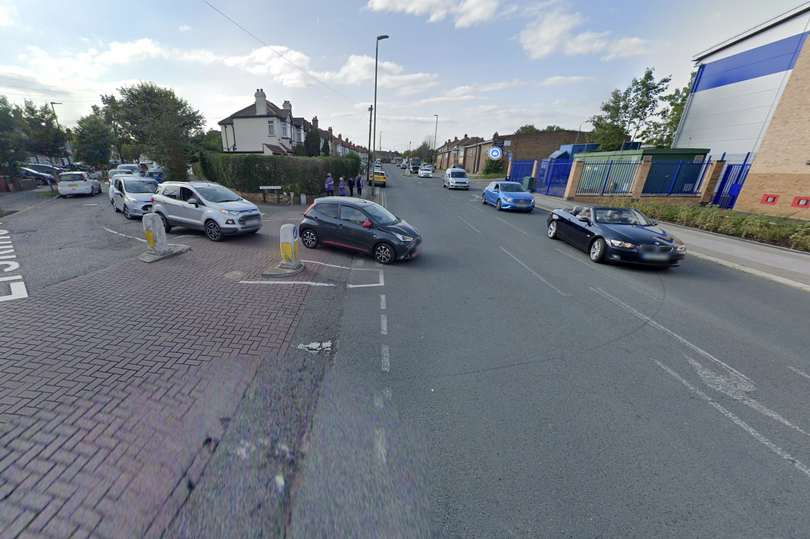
x=769, y=199
x=284, y=130
x=271, y=128
x=300, y=135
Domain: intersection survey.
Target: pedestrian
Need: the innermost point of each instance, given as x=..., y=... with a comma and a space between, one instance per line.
x=330, y=185
x=342, y=187
x=351, y=186
x=359, y=184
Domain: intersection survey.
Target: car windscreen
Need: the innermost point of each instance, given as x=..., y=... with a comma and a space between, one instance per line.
x=512, y=188
x=458, y=174
x=217, y=193
x=621, y=216
x=71, y=177
x=381, y=215
x=140, y=186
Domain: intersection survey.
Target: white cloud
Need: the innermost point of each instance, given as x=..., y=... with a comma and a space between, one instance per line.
x=562, y=81
x=465, y=13
x=185, y=28
x=7, y=13
x=553, y=32
x=264, y=61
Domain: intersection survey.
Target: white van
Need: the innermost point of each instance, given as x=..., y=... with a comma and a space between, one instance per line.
x=456, y=178
x=77, y=183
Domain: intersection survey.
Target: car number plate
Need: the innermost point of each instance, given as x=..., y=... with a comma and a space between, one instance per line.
x=656, y=256
x=72, y=185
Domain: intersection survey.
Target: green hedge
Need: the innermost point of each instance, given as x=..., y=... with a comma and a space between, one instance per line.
x=762, y=228
x=247, y=172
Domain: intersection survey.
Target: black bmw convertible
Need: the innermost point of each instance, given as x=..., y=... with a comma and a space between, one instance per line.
x=616, y=235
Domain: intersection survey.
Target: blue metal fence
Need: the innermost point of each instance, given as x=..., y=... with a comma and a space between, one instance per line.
x=552, y=178
x=520, y=169
x=730, y=185
x=607, y=178
x=674, y=178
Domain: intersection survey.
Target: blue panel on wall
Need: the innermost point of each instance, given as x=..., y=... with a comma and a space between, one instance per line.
x=768, y=59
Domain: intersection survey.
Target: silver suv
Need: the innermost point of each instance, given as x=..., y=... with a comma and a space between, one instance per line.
x=205, y=206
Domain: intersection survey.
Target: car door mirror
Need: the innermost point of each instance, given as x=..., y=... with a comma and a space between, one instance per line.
x=654, y=222
x=584, y=219
x=193, y=200
x=367, y=224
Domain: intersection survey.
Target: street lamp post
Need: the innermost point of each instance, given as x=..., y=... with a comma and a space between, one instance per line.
x=376, y=59
x=580, y=129
x=368, y=151
x=381, y=142
x=435, y=134
x=55, y=116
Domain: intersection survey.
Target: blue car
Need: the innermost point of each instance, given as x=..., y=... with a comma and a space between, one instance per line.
x=508, y=196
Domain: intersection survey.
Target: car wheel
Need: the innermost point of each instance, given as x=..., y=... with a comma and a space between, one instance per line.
x=498, y=204
x=126, y=212
x=384, y=253
x=484, y=200
x=213, y=231
x=598, y=250
x=116, y=208
x=166, y=226
x=309, y=238
x=444, y=184
x=552, y=230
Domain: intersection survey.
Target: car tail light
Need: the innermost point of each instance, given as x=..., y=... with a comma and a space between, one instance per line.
x=310, y=207
x=153, y=200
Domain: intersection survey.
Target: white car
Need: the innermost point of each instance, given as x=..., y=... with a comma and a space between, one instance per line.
x=119, y=172
x=133, y=168
x=132, y=195
x=77, y=183
x=425, y=172
x=456, y=178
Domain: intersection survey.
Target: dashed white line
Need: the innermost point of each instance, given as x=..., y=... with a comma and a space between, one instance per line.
x=124, y=235
x=800, y=373
x=469, y=225
x=513, y=226
x=382, y=301
x=383, y=324
x=476, y=207
x=442, y=205
x=560, y=292
x=379, y=443
x=386, y=359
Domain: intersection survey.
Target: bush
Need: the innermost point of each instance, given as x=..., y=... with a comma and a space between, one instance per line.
x=493, y=167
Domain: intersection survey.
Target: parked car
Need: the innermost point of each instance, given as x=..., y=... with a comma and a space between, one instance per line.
x=456, y=179
x=134, y=168
x=379, y=177
x=425, y=171
x=156, y=174
x=616, y=235
x=40, y=177
x=508, y=196
x=46, y=169
x=361, y=226
x=457, y=165
x=210, y=207
x=403, y=165
x=77, y=183
x=132, y=195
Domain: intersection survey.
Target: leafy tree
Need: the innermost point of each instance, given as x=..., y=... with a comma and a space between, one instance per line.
x=132, y=152
x=163, y=124
x=111, y=112
x=424, y=150
x=211, y=140
x=493, y=166
x=609, y=127
x=643, y=100
x=552, y=128
x=662, y=131
x=527, y=129
x=312, y=143
x=43, y=136
x=325, y=147
x=93, y=139
x=300, y=150
x=12, y=138
x=356, y=161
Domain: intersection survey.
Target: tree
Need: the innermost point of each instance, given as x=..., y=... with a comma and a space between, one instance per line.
x=12, y=138
x=110, y=110
x=300, y=150
x=211, y=140
x=163, y=124
x=312, y=143
x=643, y=99
x=325, y=147
x=552, y=128
x=609, y=127
x=93, y=139
x=662, y=132
x=43, y=136
x=424, y=150
x=356, y=162
x=527, y=129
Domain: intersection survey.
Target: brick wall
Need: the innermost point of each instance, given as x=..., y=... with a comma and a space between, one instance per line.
x=538, y=146
x=780, y=167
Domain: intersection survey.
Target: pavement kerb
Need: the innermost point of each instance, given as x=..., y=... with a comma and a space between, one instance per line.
x=745, y=269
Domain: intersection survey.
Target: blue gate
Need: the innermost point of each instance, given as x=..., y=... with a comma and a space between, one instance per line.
x=730, y=185
x=520, y=169
x=552, y=178
x=674, y=178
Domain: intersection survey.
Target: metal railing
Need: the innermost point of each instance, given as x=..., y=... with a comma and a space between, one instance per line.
x=552, y=178
x=675, y=178
x=520, y=169
x=607, y=178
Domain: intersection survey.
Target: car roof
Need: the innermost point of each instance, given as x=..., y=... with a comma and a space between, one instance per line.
x=512, y=183
x=354, y=201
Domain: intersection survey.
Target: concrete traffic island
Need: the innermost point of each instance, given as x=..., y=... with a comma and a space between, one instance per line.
x=290, y=265
x=159, y=247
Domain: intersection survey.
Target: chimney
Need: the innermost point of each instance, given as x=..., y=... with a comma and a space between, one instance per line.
x=288, y=107
x=261, y=103
x=340, y=136
x=465, y=135
x=315, y=123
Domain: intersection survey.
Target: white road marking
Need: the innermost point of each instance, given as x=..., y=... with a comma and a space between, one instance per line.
x=513, y=226
x=308, y=283
x=476, y=207
x=598, y=268
x=736, y=388
x=380, y=283
x=382, y=301
x=739, y=422
x=12, y=278
x=387, y=392
x=442, y=205
x=386, y=359
x=379, y=443
x=125, y=235
x=15, y=282
x=560, y=292
x=671, y=333
x=469, y=225
x=384, y=324
x=800, y=373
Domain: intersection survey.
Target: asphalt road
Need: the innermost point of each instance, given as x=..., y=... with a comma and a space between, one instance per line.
x=502, y=385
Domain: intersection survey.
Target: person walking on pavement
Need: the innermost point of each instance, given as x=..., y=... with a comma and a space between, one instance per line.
x=359, y=184
x=351, y=186
x=330, y=185
x=342, y=187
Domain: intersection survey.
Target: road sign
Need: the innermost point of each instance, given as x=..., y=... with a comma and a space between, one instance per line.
x=271, y=187
x=495, y=152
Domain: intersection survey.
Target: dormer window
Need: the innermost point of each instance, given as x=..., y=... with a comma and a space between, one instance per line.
x=271, y=128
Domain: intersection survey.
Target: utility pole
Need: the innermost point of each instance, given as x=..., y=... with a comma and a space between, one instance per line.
x=435, y=134
x=368, y=153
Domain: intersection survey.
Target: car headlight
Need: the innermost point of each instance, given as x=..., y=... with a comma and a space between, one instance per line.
x=506, y=198
x=681, y=249
x=403, y=238
x=622, y=244
x=229, y=212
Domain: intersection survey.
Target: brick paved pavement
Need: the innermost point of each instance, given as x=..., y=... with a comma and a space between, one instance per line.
x=116, y=387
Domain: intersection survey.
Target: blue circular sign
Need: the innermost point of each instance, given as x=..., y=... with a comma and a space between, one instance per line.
x=495, y=152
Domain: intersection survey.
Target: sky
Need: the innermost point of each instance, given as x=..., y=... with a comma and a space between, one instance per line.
x=481, y=66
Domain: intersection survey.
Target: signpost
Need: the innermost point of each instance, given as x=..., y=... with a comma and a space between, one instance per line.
x=276, y=188
x=495, y=153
